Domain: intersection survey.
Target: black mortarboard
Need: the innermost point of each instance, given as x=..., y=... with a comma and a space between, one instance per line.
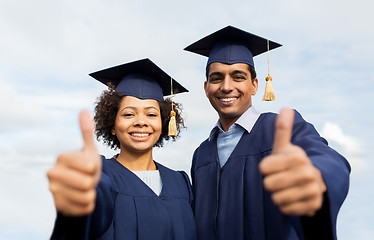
x=142, y=79
x=231, y=45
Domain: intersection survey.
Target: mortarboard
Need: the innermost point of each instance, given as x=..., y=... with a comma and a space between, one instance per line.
x=231, y=45
x=142, y=79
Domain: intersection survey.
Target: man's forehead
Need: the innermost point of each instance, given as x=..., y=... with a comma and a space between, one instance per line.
x=222, y=67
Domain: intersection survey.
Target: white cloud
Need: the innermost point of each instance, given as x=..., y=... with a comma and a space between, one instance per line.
x=17, y=110
x=348, y=146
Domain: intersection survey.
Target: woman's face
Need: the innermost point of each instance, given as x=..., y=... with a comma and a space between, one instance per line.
x=138, y=124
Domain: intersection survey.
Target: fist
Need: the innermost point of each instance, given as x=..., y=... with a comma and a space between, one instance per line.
x=296, y=185
x=75, y=175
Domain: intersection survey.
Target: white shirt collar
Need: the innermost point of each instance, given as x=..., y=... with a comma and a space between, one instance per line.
x=247, y=120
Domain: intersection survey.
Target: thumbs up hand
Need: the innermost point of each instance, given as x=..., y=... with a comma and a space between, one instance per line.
x=296, y=185
x=75, y=175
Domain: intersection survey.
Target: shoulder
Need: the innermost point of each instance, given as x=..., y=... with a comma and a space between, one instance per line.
x=270, y=117
x=108, y=164
x=170, y=172
x=177, y=182
x=108, y=174
x=205, y=153
x=203, y=148
x=264, y=125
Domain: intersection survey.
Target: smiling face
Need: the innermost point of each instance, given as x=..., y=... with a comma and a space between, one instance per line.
x=229, y=89
x=138, y=124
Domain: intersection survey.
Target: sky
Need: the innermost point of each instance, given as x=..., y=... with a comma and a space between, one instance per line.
x=325, y=70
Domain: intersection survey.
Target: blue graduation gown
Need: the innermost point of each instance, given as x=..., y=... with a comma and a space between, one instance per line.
x=231, y=203
x=126, y=208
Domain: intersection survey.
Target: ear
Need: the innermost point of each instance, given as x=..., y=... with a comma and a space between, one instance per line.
x=113, y=132
x=255, y=86
x=206, y=88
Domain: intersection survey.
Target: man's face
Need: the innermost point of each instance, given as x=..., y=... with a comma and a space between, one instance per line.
x=229, y=89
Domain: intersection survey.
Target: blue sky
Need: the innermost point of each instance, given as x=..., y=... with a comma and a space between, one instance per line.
x=325, y=70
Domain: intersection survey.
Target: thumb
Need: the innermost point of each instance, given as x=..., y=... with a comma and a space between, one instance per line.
x=86, y=125
x=283, y=129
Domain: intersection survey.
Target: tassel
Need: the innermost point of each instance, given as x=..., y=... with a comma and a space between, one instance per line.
x=172, y=125
x=269, y=92
x=172, y=122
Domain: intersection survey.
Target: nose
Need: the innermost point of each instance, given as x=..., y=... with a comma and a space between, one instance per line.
x=140, y=121
x=227, y=84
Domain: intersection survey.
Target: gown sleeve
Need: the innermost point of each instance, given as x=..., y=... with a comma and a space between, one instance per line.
x=335, y=171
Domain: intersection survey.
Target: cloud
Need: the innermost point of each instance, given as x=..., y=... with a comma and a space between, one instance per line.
x=348, y=146
x=17, y=110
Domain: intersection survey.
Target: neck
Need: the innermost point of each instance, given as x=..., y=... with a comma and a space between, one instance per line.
x=137, y=161
x=226, y=123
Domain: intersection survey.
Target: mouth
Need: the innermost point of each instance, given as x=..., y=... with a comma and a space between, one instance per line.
x=227, y=100
x=140, y=136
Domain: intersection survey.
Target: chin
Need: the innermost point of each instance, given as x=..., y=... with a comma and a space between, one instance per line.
x=229, y=115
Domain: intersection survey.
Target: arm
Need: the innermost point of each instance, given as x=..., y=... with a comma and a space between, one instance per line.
x=73, y=182
x=305, y=176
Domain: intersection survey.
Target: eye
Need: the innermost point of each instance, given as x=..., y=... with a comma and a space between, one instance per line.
x=214, y=79
x=239, y=77
x=152, y=115
x=128, y=114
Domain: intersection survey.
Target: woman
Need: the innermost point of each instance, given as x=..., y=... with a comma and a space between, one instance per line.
x=129, y=196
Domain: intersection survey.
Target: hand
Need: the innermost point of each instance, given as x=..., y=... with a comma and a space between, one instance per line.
x=296, y=184
x=73, y=179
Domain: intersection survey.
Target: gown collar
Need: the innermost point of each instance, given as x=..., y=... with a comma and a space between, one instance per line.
x=247, y=120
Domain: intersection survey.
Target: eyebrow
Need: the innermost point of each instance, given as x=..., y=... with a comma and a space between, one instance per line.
x=238, y=72
x=214, y=73
x=134, y=108
x=231, y=73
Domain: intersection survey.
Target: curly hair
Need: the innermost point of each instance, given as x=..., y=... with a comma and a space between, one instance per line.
x=106, y=111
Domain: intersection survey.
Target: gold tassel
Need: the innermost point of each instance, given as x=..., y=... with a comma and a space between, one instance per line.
x=269, y=92
x=172, y=125
x=172, y=121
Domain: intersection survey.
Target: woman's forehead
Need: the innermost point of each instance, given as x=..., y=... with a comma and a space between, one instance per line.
x=139, y=103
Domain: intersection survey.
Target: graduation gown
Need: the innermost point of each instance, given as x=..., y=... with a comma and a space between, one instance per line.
x=126, y=208
x=231, y=202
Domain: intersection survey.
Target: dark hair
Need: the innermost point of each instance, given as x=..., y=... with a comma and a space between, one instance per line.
x=106, y=111
x=251, y=69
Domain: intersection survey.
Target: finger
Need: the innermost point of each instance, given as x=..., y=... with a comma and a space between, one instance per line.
x=306, y=207
x=81, y=161
x=291, y=156
x=299, y=193
x=69, y=208
x=279, y=180
x=86, y=125
x=71, y=178
x=283, y=129
x=74, y=196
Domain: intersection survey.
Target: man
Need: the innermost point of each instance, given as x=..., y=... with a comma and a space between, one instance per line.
x=260, y=176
